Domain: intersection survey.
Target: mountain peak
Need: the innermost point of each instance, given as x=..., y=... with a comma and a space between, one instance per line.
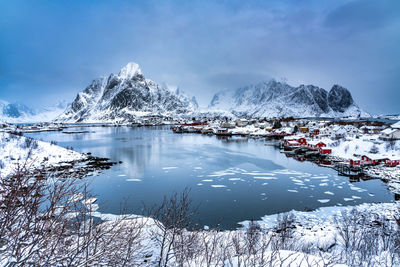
x=126, y=97
x=130, y=70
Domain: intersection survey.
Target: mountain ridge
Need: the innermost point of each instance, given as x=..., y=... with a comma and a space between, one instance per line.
x=278, y=99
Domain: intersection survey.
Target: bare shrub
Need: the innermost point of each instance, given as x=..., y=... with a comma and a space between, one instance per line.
x=365, y=237
x=47, y=221
x=30, y=143
x=284, y=231
x=171, y=218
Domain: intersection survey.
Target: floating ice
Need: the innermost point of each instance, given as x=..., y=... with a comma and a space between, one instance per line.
x=292, y=191
x=265, y=178
x=358, y=189
x=297, y=181
x=133, y=180
x=169, y=168
x=122, y=175
x=329, y=193
x=356, y=197
x=347, y=199
x=218, y=185
x=323, y=184
x=235, y=179
x=319, y=177
x=199, y=184
x=207, y=180
x=323, y=200
x=259, y=173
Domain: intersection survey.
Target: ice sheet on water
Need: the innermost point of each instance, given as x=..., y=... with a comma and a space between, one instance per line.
x=89, y=201
x=288, y=172
x=75, y=198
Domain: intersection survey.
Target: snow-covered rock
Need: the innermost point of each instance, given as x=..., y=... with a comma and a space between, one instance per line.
x=125, y=97
x=278, y=99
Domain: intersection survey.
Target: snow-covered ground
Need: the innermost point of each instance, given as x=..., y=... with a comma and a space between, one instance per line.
x=368, y=145
x=18, y=151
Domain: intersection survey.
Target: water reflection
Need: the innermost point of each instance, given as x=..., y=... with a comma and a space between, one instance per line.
x=233, y=178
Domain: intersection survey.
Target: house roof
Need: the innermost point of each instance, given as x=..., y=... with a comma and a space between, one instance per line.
x=315, y=142
x=396, y=125
x=388, y=131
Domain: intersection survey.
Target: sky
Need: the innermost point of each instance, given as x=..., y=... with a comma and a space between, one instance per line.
x=51, y=50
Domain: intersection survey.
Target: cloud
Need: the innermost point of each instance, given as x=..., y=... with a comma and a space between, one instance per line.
x=57, y=48
x=363, y=15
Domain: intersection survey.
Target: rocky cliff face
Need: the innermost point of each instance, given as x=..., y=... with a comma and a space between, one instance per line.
x=125, y=97
x=276, y=99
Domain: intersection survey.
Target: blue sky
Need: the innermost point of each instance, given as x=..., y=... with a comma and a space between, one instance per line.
x=51, y=50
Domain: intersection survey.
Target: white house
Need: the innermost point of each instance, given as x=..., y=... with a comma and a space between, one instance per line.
x=393, y=132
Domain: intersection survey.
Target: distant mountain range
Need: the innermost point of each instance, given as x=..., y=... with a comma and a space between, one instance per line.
x=128, y=95
x=125, y=97
x=277, y=99
x=20, y=113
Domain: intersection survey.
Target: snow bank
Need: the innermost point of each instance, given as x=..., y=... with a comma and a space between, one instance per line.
x=17, y=151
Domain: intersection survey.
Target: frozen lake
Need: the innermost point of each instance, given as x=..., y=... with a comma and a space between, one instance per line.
x=233, y=179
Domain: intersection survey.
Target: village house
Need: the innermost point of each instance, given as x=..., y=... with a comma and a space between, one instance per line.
x=391, y=133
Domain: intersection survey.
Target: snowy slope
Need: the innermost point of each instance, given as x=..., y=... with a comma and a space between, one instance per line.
x=125, y=97
x=17, y=151
x=276, y=99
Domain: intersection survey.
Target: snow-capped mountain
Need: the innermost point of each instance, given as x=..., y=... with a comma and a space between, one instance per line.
x=278, y=99
x=20, y=113
x=14, y=110
x=127, y=96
